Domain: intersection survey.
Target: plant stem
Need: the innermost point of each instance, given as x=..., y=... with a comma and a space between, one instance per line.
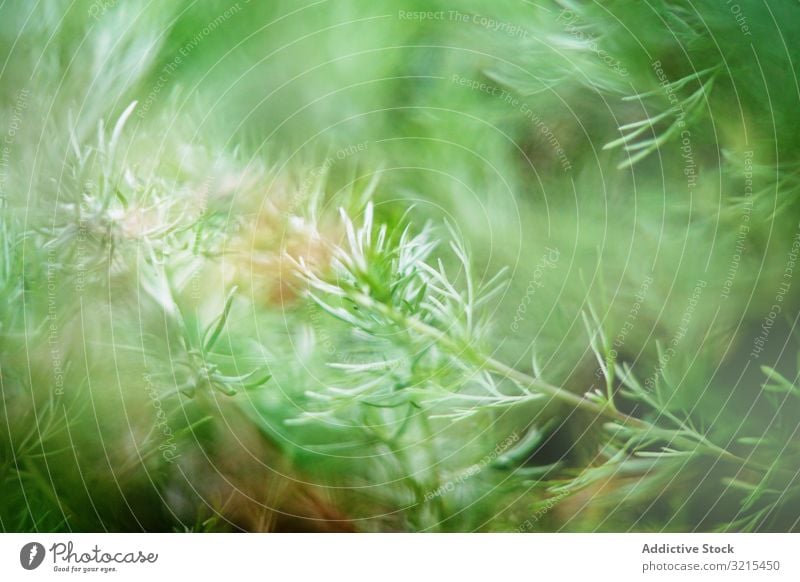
x=496, y=366
x=556, y=392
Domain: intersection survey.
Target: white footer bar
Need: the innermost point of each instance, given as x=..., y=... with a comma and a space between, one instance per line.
x=378, y=557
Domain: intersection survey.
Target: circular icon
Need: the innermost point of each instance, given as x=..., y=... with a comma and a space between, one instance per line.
x=31, y=555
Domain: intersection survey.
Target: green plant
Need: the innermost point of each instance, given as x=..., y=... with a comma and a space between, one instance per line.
x=382, y=284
